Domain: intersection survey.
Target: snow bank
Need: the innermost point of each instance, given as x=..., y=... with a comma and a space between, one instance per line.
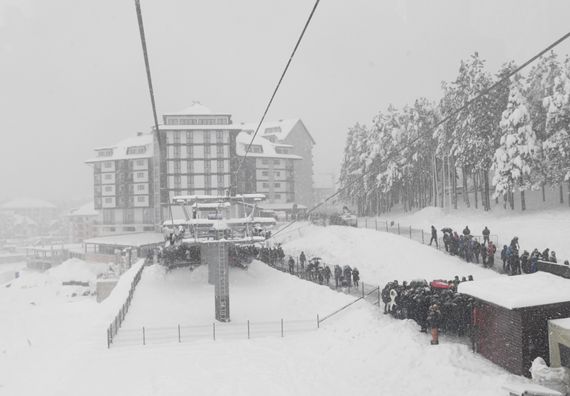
x=380, y=257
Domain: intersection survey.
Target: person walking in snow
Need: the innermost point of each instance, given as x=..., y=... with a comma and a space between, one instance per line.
x=327, y=274
x=302, y=260
x=291, y=265
x=433, y=237
x=434, y=321
x=466, y=231
x=486, y=234
x=491, y=250
x=355, y=276
x=337, y=275
x=553, y=257
x=504, y=257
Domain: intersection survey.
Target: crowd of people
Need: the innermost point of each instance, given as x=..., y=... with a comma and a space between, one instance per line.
x=435, y=306
x=472, y=250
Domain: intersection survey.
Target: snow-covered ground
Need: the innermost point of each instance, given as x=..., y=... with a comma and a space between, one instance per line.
x=535, y=229
x=53, y=344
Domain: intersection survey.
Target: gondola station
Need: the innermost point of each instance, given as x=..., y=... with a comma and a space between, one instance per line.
x=214, y=232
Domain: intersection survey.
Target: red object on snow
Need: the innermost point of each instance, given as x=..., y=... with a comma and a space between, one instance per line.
x=440, y=284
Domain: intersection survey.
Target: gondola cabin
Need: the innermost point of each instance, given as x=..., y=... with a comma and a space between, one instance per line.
x=511, y=314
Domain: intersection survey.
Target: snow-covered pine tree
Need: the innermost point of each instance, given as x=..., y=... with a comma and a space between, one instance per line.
x=515, y=156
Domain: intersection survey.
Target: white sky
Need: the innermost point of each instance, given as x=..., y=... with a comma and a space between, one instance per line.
x=72, y=75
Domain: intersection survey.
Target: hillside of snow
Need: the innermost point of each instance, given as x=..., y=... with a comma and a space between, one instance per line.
x=535, y=228
x=60, y=341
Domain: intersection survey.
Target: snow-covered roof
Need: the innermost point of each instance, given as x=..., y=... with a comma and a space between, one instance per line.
x=217, y=198
x=563, y=323
x=269, y=149
x=196, y=108
x=280, y=129
x=86, y=210
x=512, y=292
x=23, y=220
x=27, y=203
x=128, y=240
x=234, y=221
x=120, y=149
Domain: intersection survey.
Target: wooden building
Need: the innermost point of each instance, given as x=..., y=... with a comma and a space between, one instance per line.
x=511, y=314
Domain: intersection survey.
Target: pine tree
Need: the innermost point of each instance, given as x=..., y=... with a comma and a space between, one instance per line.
x=514, y=158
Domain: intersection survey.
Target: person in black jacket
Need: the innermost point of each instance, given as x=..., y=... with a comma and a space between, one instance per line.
x=486, y=234
x=434, y=321
x=433, y=236
x=466, y=231
x=355, y=276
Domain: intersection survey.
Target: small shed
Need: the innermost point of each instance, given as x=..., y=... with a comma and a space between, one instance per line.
x=559, y=342
x=511, y=314
x=103, y=249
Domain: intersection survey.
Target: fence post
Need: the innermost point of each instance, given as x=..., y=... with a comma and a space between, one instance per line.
x=378, y=296
x=362, y=289
x=386, y=225
x=366, y=222
x=144, y=337
x=410, y=232
x=179, y=333
x=281, y=327
x=423, y=237
x=318, y=322
x=108, y=338
x=398, y=228
x=214, y=330
x=248, y=334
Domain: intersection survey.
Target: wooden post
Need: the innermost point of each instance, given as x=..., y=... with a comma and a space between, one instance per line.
x=318, y=322
x=179, y=340
x=362, y=289
x=410, y=232
x=248, y=333
x=423, y=236
x=398, y=228
x=386, y=225
x=281, y=327
x=214, y=330
x=378, y=296
x=144, y=337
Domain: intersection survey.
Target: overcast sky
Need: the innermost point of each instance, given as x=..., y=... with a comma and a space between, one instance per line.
x=72, y=76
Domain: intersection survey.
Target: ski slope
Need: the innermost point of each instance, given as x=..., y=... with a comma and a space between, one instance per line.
x=358, y=351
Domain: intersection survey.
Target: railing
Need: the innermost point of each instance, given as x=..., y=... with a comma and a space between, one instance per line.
x=148, y=335
x=115, y=325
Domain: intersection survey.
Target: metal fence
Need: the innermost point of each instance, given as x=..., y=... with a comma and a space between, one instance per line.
x=148, y=335
x=115, y=325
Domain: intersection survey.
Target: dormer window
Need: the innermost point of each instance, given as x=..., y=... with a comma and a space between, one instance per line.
x=272, y=130
x=105, y=153
x=136, y=150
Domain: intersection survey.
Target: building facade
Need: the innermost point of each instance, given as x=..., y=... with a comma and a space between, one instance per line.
x=82, y=223
x=293, y=134
x=123, y=177
x=268, y=169
x=198, y=154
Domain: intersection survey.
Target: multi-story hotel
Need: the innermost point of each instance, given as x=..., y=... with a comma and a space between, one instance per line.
x=123, y=188
x=198, y=154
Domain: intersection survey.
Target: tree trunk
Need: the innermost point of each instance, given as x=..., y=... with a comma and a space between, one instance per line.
x=512, y=200
x=487, y=192
x=523, y=203
x=543, y=194
x=475, y=188
x=505, y=201
x=561, y=194
x=465, y=175
x=453, y=174
x=569, y=192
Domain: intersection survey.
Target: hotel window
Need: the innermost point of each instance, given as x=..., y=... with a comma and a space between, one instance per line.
x=108, y=165
x=206, y=137
x=190, y=166
x=140, y=187
x=108, y=176
x=207, y=181
x=277, y=173
x=277, y=196
x=176, y=152
x=265, y=185
x=141, y=198
x=136, y=150
x=221, y=166
x=206, y=149
x=276, y=162
x=220, y=150
x=207, y=166
x=108, y=200
x=177, y=181
x=108, y=188
x=140, y=162
x=176, y=138
x=191, y=181
x=219, y=136
x=176, y=166
x=265, y=161
x=140, y=175
x=277, y=185
x=189, y=137
x=264, y=173
x=220, y=180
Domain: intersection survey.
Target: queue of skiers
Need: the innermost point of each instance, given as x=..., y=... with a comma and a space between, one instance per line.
x=466, y=246
x=525, y=263
x=436, y=306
